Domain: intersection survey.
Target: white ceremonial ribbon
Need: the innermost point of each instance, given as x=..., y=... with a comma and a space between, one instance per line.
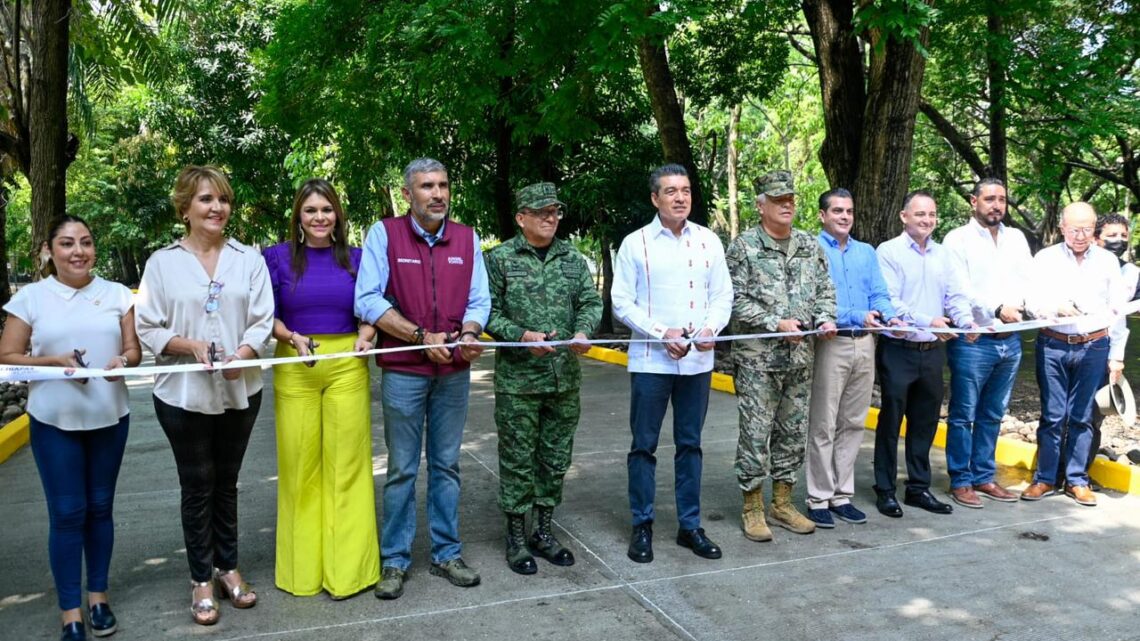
x=10, y=373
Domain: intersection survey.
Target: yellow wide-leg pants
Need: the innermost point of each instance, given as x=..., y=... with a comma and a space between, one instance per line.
x=326, y=505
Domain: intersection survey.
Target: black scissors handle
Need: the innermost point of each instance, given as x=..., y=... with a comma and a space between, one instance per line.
x=79, y=357
x=312, y=350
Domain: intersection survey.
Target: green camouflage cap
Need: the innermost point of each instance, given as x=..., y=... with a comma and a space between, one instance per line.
x=537, y=196
x=775, y=184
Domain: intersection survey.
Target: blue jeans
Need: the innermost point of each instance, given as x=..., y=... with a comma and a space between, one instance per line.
x=650, y=395
x=1068, y=376
x=981, y=379
x=411, y=401
x=79, y=470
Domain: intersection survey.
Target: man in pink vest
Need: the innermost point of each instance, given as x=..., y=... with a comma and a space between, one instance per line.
x=422, y=282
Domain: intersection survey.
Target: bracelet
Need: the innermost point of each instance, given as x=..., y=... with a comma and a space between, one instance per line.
x=418, y=336
x=474, y=335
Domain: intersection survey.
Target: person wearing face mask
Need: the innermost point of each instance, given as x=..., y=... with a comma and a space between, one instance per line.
x=78, y=426
x=326, y=508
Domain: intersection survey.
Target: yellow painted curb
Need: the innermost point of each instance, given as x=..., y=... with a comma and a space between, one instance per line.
x=1011, y=452
x=13, y=436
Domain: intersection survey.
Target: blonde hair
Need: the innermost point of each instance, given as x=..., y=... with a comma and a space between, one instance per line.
x=186, y=186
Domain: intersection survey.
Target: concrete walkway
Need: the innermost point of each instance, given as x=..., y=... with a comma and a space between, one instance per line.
x=1047, y=570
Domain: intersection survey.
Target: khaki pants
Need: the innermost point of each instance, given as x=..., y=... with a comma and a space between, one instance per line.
x=840, y=395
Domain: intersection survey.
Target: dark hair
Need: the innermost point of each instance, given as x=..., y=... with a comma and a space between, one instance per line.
x=985, y=182
x=915, y=194
x=838, y=192
x=322, y=188
x=1109, y=219
x=53, y=231
x=671, y=169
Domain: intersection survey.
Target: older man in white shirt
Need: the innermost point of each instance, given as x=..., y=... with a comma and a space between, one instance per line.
x=1074, y=279
x=670, y=282
x=995, y=265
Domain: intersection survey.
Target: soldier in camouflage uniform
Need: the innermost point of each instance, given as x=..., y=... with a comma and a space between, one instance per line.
x=780, y=284
x=541, y=289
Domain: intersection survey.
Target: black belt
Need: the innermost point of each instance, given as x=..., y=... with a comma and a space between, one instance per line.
x=915, y=345
x=851, y=333
x=995, y=335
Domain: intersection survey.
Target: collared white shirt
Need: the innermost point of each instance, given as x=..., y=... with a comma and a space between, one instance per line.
x=1094, y=285
x=992, y=271
x=172, y=302
x=64, y=319
x=663, y=281
x=922, y=284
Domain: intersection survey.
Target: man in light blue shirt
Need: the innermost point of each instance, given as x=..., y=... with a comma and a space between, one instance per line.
x=926, y=292
x=844, y=368
x=422, y=281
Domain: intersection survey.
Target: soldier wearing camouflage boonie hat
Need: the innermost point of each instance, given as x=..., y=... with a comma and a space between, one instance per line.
x=775, y=184
x=537, y=196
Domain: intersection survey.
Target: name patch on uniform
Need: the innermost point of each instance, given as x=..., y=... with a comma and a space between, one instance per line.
x=413, y=261
x=454, y=260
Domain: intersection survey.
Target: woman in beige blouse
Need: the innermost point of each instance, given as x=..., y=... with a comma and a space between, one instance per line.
x=207, y=299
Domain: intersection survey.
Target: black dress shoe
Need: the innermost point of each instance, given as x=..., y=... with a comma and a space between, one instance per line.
x=926, y=501
x=700, y=544
x=641, y=543
x=887, y=504
x=103, y=622
x=73, y=632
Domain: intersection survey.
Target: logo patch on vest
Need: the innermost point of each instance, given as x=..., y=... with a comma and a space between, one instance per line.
x=413, y=261
x=454, y=260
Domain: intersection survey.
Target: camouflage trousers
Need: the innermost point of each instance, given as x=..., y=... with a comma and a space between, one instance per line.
x=536, y=437
x=773, y=424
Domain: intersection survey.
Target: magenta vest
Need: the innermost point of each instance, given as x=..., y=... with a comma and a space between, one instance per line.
x=429, y=285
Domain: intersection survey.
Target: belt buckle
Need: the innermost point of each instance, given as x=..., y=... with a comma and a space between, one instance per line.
x=1075, y=339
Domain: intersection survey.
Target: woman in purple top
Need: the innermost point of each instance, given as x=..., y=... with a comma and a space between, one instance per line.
x=326, y=510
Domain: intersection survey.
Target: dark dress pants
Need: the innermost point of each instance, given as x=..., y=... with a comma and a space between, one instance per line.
x=910, y=382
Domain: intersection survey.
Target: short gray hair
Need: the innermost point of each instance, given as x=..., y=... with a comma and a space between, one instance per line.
x=421, y=166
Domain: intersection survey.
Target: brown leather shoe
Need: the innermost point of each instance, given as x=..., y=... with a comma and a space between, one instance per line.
x=966, y=497
x=1037, y=491
x=1081, y=494
x=996, y=492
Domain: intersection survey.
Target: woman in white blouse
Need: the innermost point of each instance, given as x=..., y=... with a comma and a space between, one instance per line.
x=207, y=299
x=78, y=426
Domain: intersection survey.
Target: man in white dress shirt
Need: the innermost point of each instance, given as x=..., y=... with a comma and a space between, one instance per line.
x=670, y=282
x=1074, y=279
x=995, y=265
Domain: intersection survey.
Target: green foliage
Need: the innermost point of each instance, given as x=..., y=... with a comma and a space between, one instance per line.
x=905, y=20
x=206, y=109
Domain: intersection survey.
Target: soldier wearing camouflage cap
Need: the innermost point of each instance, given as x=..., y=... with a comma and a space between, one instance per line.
x=781, y=284
x=541, y=289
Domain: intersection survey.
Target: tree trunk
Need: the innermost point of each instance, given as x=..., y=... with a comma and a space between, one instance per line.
x=48, y=114
x=733, y=154
x=842, y=86
x=5, y=285
x=502, y=130
x=868, y=117
x=668, y=115
x=995, y=68
x=607, y=324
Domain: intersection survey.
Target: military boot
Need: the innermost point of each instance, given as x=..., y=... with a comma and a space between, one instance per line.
x=543, y=542
x=755, y=529
x=518, y=557
x=784, y=514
